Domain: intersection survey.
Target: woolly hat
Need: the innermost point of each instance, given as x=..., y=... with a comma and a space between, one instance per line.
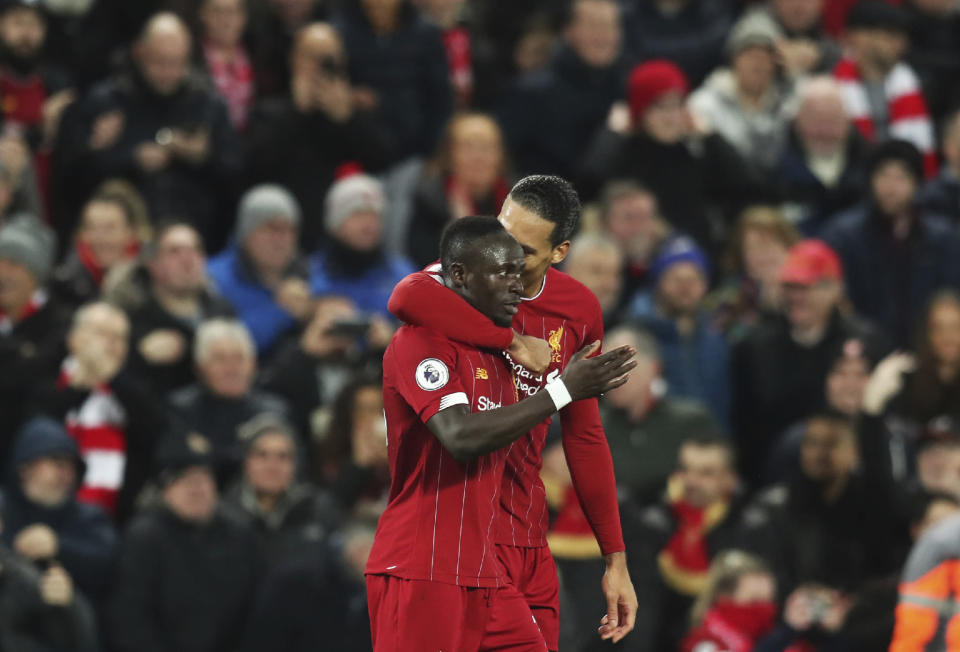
x=679, y=250
x=26, y=240
x=649, y=82
x=358, y=192
x=897, y=150
x=263, y=203
x=755, y=29
x=179, y=451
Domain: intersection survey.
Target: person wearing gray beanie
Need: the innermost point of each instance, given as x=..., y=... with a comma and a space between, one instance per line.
x=261, y=272
x=264, y=203
x=25, y=240
x=354, y=194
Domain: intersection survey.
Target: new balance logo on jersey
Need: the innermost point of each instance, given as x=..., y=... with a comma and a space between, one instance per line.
x=481, y=374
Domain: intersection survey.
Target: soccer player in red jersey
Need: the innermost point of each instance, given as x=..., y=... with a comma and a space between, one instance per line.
x=542, y=213
x=433, y=577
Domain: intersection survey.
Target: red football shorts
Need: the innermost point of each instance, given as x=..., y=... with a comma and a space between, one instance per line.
x=423, y=616
x=534, y=573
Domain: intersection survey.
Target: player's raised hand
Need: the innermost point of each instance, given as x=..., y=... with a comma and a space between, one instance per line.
x=531, y=352
x=586, y=377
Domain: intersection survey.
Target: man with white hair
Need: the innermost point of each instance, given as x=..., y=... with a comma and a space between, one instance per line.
x=354, y=262
x=596, y=260
x=224, y=398
x=822, y=170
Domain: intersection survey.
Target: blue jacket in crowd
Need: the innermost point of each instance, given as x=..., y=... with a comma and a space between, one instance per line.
x=369, y=290
x=695, y=366
x=253, y=302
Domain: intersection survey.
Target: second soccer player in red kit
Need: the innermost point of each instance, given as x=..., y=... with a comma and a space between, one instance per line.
x=434, y=580
x=542, y=213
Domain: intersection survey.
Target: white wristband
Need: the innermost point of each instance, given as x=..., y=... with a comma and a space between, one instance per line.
x=558, y=392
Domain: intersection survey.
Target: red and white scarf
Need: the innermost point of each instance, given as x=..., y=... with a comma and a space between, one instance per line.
x=36, y=302
x=99, y=428
x=906, y=108
x=234, y=81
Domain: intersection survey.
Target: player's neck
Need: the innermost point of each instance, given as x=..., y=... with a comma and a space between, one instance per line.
x=533, y=288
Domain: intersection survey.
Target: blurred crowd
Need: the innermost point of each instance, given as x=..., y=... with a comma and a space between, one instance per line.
x=204, y=208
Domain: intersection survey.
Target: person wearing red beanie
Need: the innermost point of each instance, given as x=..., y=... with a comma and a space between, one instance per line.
x=649, y=82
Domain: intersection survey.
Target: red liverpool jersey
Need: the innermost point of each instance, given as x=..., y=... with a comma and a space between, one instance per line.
x=568, y=316
x=440, y=519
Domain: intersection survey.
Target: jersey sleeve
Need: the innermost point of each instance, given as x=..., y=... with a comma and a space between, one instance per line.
x=426, y=374
x=422, y=300
x=591, y=465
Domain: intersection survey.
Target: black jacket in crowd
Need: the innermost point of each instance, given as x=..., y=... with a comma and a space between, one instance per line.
x=778, y=382
x=30, y=354
x=552, y=115
x=28, y=624
x=407, y=69
x=183, y=587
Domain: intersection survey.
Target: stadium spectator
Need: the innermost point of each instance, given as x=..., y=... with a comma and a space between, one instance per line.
x=108, y=236
x=318, y=601
x=226, y=58
x=894, y=256
x=696, y=358
x=161, y=129
x=752, y=291
x=672, y=543
x=629, y=214
x=696, y=179
x=291, y=517
x=804, y=48
x=822, y=170
x=838, y=521
x=110, y=414
x=938, y=459
x=32, y=325
x=467, y=176
x=309, y=371
x=646, y=426
x=458, y=40
x=274, y=26
x=183, y=561
x=844, y=390
x=585, y=77
x=934, y=28
x=748, y=103
x=43, y=521
x=931, y=386
x=224, y=397
x=689, y=33
x=805, y=339
x=942, y=195
x=352, y=461
x=18, y=187
x=166, y=294
x=882, y=93
x=42, y=610
x=261, y=272
x=738, y=610
x=596, y=260
x=301, y=139
x=354, y=263
x=398, y=62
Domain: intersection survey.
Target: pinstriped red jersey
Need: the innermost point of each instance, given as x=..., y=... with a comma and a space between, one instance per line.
x=567, y=315
x=562, y=314
x=440, y=520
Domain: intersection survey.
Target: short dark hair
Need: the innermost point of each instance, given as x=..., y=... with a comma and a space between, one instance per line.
x=461, y=236
x=150, y=249
x=711, y=439
x=553, y=199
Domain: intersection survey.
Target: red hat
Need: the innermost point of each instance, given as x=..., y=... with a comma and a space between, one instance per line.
x=650, y=81
x=809, y=262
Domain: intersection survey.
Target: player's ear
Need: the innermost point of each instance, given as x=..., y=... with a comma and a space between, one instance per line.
x=560, y=252
x=458, y=274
